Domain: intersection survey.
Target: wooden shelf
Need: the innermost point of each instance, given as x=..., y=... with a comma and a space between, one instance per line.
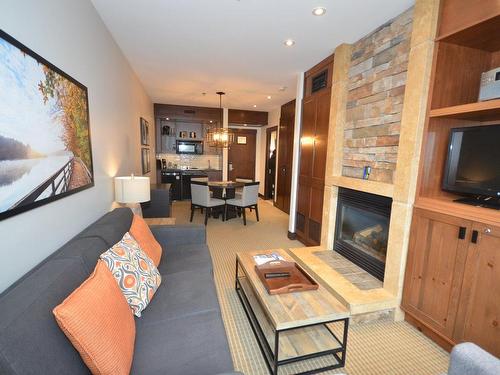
x=482, y=35
x=446, y=205
x=480, y=111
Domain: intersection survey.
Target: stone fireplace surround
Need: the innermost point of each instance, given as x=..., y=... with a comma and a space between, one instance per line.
x=379, y=300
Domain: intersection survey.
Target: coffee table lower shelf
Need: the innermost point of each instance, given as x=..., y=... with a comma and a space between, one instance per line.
x=292, y=344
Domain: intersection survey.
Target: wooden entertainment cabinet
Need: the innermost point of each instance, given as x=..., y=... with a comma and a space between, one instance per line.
x=452, y=281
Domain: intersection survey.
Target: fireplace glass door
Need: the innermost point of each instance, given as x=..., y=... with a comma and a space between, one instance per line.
x=362, y=230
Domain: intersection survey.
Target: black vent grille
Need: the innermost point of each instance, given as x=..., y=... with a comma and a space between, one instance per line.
x=319, y=81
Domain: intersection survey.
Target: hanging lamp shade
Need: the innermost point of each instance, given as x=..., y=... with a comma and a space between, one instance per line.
x=219, y=136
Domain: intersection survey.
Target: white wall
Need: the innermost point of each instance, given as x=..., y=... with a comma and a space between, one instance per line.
x=71, y=35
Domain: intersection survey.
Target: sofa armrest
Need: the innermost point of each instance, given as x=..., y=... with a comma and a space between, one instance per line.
x=172, y=235
x=470, y=359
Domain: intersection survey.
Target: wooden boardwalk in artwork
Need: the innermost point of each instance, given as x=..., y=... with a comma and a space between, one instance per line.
x=71, y=175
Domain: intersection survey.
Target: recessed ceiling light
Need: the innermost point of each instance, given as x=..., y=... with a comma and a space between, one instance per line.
x=269, y=96
x=282, y=88
x=319, y=11
x=255, y=105
x=167, y=118
x=289, y=42
x=211, y=121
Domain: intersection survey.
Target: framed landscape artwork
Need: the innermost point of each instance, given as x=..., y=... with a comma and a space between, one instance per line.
x=144, y=132
x=146, y=160
x=45, y=150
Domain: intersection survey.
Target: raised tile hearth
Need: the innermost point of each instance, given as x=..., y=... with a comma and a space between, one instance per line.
x=352, y=272
x=359, y=291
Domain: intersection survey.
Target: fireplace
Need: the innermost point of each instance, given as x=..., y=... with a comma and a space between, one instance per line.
x=362, y=228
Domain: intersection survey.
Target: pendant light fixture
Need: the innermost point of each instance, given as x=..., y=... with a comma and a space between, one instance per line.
x=219, y=136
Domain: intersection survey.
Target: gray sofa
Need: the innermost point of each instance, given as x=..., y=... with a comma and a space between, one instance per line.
x=180, y=332
x=469, y=359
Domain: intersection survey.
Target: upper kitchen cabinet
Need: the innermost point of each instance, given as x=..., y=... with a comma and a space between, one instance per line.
x=243, y=117
x=175, y=122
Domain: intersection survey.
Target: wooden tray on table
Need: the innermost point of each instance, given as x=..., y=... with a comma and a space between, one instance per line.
x=279, y=277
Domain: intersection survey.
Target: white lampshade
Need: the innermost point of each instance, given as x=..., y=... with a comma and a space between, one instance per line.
x=132, y=189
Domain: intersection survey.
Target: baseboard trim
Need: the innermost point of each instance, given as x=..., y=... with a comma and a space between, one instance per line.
x=261, y=196
x=292, y=236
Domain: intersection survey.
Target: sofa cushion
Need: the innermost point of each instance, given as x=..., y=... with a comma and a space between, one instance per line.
x=136, y=275
x=178, y=258
x=88, y=249
x=142, y=234
x=97, y=320
x=182, y=294
x=190, y=345
x=30, y=339
x=111, y=227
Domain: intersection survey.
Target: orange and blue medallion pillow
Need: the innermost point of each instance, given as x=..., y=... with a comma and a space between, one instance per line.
x=135, y=273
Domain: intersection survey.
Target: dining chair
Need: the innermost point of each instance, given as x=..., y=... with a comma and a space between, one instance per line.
x=238, y=191
x=200, y=198
x=249, y=198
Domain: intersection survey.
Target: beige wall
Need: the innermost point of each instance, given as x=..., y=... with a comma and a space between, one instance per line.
x=71, y=35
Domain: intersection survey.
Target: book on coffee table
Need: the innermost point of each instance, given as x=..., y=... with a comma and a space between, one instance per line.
x=265, y=258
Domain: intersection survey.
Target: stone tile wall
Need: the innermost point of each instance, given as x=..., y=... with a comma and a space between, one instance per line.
x=376, y=85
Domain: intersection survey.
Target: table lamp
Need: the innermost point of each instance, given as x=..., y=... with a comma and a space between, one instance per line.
x=132, y=190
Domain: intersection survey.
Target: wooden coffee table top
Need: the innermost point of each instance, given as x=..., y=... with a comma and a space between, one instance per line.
x=295, y=309
x=160, y=220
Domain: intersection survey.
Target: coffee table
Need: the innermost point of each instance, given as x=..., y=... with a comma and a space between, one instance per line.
x=292, y=327
x=160, y=220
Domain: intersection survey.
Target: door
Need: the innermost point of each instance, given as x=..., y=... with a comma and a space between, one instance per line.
x=434, y=272
x=479, y=316
x=241, y=154
x=313, y=145
x=270, y=176
x=285, y=156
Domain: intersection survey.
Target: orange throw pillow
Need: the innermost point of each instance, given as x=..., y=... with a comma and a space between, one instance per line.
x=97, y=320
x=142, y=234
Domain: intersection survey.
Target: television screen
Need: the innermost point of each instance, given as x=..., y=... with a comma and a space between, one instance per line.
x=473, y=165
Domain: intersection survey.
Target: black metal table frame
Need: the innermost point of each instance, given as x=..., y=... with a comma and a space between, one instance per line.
x=270, y=357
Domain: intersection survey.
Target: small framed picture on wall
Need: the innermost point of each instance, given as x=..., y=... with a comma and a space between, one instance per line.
x=144, y=132
x=146, y=160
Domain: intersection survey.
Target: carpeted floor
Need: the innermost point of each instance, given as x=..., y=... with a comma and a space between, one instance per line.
x=373, y=349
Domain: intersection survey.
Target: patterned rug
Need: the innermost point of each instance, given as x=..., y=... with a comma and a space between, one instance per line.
x=373, y=349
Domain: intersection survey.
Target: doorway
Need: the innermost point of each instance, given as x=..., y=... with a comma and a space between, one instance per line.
x=241, y=154
x=271, y=149
x=285, y=156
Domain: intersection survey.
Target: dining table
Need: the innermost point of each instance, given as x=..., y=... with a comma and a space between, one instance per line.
x=225, y=190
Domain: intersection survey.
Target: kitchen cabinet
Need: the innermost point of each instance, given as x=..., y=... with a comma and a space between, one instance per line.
x=451, y=289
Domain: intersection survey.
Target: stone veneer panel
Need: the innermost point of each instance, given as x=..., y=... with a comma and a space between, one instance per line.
x=376, y=87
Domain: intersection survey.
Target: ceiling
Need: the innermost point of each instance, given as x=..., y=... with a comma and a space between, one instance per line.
x=183, y=48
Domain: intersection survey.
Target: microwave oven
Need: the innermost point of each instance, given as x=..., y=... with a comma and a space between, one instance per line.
x=189, y=147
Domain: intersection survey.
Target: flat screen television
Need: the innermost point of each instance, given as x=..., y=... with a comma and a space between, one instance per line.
x=473, y=163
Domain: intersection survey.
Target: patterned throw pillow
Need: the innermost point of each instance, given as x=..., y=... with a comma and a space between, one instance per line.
x=136, y=274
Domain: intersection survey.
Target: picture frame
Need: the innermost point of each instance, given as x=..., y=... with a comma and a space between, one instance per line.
x=144, y=132
x=45, y=140
x=145, y=160
x=241, y=140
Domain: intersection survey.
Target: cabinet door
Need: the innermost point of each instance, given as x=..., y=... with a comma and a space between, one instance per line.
x=479, y=315
x=434, y=271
